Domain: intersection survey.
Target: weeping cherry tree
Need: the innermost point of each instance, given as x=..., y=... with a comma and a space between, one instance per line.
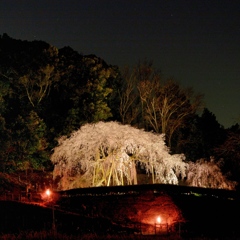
x=108, y=153
x=208, y=174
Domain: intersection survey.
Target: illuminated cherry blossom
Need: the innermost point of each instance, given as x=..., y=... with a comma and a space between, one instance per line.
x=107, y=153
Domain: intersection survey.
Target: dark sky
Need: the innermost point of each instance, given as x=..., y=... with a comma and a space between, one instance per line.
x=197, y=42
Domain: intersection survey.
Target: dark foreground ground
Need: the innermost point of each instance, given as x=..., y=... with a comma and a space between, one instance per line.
x=204, y=216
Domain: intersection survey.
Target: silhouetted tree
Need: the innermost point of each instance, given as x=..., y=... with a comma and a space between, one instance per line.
x=189, y=140
x=229, y=152
x=129, y=106
x=162, y=106
x=213, y=134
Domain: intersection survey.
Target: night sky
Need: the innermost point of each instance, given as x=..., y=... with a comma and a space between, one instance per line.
x=196, y=42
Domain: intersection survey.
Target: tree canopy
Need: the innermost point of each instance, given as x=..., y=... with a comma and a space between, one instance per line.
x=150, y=102
x=109, y=153
x=104, y=154
x=59, y=88
x=208, y=174
x=46, y=93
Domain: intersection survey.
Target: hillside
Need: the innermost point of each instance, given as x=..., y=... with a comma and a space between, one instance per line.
x=22, y=181
x=185, y=211
x=197, y=211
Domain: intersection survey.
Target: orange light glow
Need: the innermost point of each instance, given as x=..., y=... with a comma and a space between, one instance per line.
x=159, y=219
x=48, y=192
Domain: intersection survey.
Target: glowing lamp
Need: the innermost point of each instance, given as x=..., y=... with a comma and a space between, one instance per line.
x=159, y=219
x=48, y=192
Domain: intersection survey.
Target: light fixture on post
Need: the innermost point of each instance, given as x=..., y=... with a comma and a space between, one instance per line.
x=158, y=224
x=161, y=227
x=49, y=193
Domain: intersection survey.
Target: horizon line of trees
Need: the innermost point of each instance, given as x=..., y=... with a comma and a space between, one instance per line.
x=47, y=93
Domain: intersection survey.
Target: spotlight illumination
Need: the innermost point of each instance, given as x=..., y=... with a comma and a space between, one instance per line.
x=159, y=219
x=48, y=192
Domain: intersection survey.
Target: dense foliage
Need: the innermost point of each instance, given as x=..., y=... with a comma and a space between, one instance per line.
x=46, y=93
